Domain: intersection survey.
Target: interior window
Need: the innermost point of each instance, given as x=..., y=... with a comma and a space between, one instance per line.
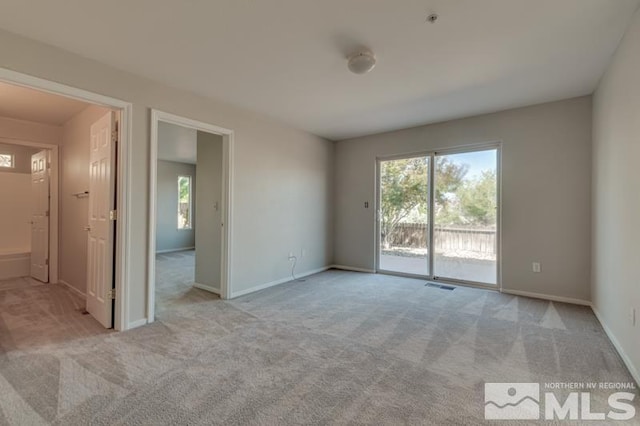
x=7, y=161
x=184, y=202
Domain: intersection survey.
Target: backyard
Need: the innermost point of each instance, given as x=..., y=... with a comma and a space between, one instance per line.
x=465, y=216
x=467, y=254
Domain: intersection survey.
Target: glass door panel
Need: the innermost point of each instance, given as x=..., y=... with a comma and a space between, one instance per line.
x=404, y=215
x=465, y=216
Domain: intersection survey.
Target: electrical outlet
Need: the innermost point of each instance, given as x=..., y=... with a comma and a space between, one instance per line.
x=537, y=267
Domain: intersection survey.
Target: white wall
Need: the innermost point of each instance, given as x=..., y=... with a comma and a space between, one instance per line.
x=74, y=211
x=15, y=184
x=29, y=131
x=282, y=176
x=177, y=143
x=208, y=194
x=546, y=173
x=168, y=236
x=15, y=212
x=15, y=209
x=616, y=197
x=21, y=157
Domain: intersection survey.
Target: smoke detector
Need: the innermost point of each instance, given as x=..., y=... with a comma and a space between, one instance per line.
x=361, y=62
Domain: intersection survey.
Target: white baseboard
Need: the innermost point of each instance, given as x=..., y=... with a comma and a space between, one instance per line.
x=138, y=323
x=276, y=282
x=174, y=250
x=616, y=344
x=207, y=288
x=351, y=268
x=547, y=297
x=15, y=266
x=72, y=288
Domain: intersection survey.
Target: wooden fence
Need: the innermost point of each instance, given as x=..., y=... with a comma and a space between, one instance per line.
x=415, y=235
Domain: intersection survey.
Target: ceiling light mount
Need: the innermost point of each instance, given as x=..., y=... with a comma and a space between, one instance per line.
x=361, y=62
x=432, y=18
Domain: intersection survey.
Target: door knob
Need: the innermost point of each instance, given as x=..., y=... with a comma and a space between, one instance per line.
x=87, y=228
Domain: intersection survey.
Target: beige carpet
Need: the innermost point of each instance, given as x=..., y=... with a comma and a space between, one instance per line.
x=34, y=314
x=175, y=275
x=340, y=348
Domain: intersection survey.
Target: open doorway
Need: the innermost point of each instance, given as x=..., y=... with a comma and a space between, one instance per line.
x=189, y=234
x=179, y=236
x=439, y=215
x=59, y=149
x=29, y=205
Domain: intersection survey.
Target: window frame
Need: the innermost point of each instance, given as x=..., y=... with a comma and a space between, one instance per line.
x=190, y=218
x=12, y=160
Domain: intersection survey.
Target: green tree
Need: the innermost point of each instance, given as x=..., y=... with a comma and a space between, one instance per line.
x=183, y=185
x=404, y=185
x=478, y=200
x=449, y=179
x=404, y=189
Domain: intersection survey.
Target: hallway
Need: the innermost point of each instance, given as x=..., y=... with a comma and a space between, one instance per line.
x=33, y=314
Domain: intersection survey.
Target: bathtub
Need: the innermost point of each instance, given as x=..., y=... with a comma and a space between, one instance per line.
x=14, y=264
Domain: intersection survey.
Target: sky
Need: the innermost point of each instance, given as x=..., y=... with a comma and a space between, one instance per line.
x=477, y=161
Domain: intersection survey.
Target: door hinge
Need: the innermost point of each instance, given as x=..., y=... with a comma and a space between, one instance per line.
x=46, y=262
x=113, y=215
x=111, y=294
x=47, y=213
x=114, y=136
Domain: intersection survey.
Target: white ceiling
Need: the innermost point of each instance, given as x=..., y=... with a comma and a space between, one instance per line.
x=177, y=143
x=286, y=58
x=26, y=104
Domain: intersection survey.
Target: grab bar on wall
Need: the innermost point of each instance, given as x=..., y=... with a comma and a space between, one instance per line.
x=81, y=194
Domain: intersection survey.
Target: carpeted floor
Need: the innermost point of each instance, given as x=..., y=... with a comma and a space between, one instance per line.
x=175, y=275
x=340, y=348
x=33, y=314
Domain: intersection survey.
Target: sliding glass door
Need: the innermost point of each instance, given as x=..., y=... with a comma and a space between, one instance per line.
x=465, y=216
x=438, y=215
x=404, y=215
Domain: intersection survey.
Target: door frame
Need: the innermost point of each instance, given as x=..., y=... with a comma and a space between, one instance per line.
x=497, y=145
x=53, y=200
x=158, y=116
x=123, y=190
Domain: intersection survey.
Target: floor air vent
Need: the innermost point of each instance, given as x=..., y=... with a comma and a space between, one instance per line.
x=440, y=286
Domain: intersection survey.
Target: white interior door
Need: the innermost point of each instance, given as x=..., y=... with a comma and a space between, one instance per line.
x=102, y=174
x=40, y=216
